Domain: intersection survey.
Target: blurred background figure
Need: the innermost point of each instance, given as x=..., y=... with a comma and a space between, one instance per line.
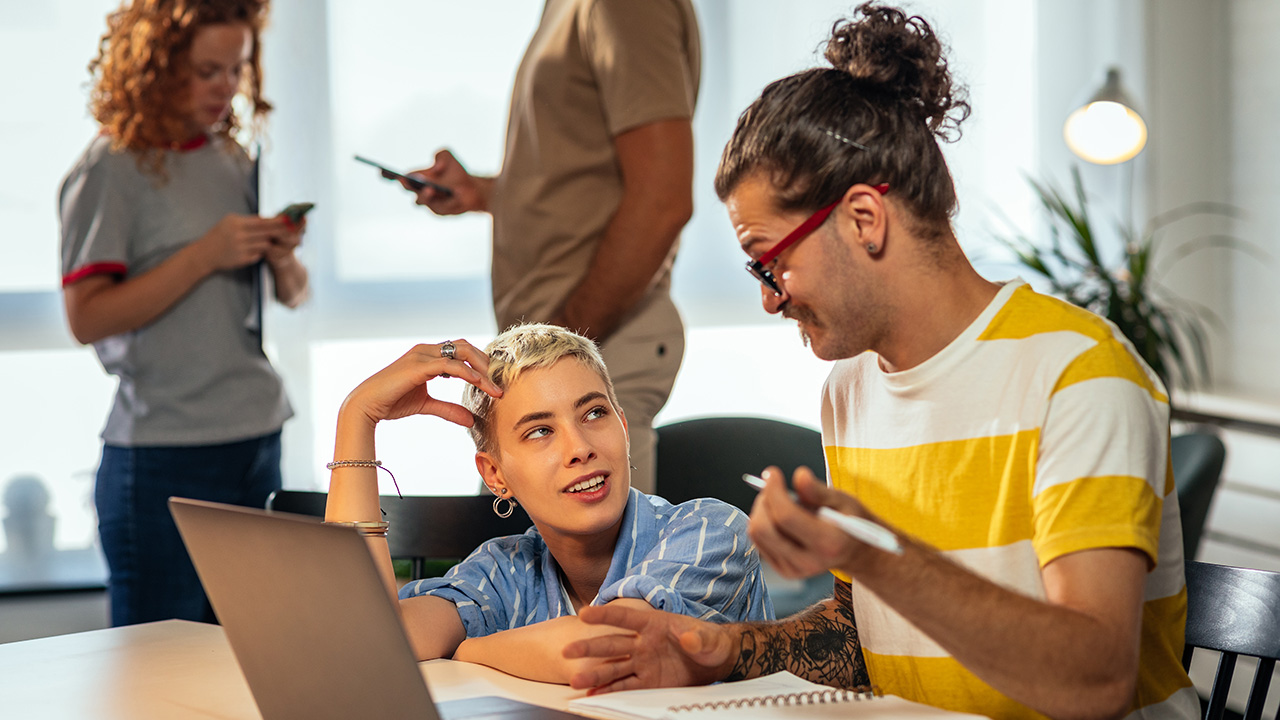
x=596, y=184
x=163, y=258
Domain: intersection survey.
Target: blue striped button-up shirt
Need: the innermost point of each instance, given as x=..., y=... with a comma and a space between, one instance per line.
x=694, y=559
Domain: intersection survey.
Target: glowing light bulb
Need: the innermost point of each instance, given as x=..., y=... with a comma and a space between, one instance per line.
x=1105, y=132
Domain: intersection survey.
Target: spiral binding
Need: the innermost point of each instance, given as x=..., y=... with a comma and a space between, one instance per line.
x=811, y=697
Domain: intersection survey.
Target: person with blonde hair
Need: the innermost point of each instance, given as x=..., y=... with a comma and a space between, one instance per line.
x=550, y=435
x=163, y=257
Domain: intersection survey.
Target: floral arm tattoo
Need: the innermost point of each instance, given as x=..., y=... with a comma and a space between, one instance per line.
x=820, y=644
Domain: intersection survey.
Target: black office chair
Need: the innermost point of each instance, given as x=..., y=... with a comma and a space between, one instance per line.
x=1197, y=460
x=423, y=527
x=707, y=458
x=1235, y=611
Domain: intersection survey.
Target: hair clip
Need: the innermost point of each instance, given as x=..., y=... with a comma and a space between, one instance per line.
x=846, y=140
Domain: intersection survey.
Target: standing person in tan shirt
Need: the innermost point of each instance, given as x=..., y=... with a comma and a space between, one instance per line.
x=595, y=186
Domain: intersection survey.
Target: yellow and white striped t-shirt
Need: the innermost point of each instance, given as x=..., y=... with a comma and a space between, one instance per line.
x=1034, y=434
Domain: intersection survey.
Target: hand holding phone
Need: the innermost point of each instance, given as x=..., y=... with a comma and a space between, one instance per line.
x=296, y=211
x=856, y=527
x=416, y=182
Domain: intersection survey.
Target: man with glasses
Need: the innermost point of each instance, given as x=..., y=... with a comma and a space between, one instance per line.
x=1014, y=444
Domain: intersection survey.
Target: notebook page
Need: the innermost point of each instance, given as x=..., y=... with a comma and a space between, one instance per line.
x=658, y=704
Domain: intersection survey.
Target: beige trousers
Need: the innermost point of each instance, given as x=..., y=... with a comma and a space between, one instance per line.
x=643, y=357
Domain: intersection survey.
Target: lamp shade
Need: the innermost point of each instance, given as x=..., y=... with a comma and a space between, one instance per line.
x=1107, y=129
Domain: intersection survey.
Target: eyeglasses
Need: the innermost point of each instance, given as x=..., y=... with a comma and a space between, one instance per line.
x=759, y=268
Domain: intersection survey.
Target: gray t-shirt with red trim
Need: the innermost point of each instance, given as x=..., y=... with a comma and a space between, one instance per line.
x=196, y=375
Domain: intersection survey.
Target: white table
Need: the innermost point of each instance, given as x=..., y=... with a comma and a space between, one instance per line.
x=174, y=670
x=177, y=669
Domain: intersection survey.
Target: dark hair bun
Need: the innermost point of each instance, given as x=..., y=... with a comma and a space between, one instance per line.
x=900, y=56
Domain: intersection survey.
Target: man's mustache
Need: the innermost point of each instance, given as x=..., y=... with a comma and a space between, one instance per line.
x=799, y=313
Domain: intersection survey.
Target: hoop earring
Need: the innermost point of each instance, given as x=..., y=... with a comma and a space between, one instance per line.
x=511, y=507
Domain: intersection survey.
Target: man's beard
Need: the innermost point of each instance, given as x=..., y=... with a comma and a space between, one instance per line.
x=838, y=341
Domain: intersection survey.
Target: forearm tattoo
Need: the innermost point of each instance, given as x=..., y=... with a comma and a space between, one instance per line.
x=820, y=644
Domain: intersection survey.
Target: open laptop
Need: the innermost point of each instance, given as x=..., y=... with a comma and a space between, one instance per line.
x=310, y=622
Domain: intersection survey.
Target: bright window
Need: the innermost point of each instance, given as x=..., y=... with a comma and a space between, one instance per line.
x=441, y=76
x=49, y=133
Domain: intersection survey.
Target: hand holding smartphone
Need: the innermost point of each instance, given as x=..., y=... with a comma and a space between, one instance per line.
x=856, y=527
x=414, y=181
x=296, y=211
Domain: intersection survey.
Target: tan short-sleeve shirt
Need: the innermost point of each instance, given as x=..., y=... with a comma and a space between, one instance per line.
x=593, y=70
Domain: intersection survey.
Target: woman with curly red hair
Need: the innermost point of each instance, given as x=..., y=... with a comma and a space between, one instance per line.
x=162, y=258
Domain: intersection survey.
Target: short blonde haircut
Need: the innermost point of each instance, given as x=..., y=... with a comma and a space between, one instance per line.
x=521, y=348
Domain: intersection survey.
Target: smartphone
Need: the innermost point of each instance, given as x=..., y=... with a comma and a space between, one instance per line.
x=297, y=211
x=415, y=182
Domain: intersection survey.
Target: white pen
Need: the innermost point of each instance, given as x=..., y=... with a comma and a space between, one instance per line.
x=860, y=528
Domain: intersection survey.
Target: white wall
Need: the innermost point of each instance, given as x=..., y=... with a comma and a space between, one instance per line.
x=1248, y=120
x=1189, y=157
x=1214, y=95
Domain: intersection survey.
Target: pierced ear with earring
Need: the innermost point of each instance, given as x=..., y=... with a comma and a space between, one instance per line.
x=873, y=248
x=501, y=498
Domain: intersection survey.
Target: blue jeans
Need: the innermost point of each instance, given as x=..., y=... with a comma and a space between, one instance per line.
x=152, y=577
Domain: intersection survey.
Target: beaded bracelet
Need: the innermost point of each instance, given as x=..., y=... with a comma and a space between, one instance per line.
x=366, y=463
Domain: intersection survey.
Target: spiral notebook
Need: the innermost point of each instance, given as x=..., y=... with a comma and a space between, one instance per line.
x=780, y=696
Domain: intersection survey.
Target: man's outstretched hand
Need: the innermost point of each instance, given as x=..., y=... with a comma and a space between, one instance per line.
x=662, y=650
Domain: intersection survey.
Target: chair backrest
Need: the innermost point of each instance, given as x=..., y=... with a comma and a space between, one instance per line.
x=708, y=456
x=1235, y=611
x=1197, y=460
x=423, y=527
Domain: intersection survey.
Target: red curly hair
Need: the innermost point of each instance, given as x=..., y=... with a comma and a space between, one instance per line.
x=141, y=73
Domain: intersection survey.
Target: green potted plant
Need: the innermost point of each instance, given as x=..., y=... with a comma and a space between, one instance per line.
x=1168, y=332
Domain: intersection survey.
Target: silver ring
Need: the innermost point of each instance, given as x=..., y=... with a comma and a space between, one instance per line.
x=447, y=349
